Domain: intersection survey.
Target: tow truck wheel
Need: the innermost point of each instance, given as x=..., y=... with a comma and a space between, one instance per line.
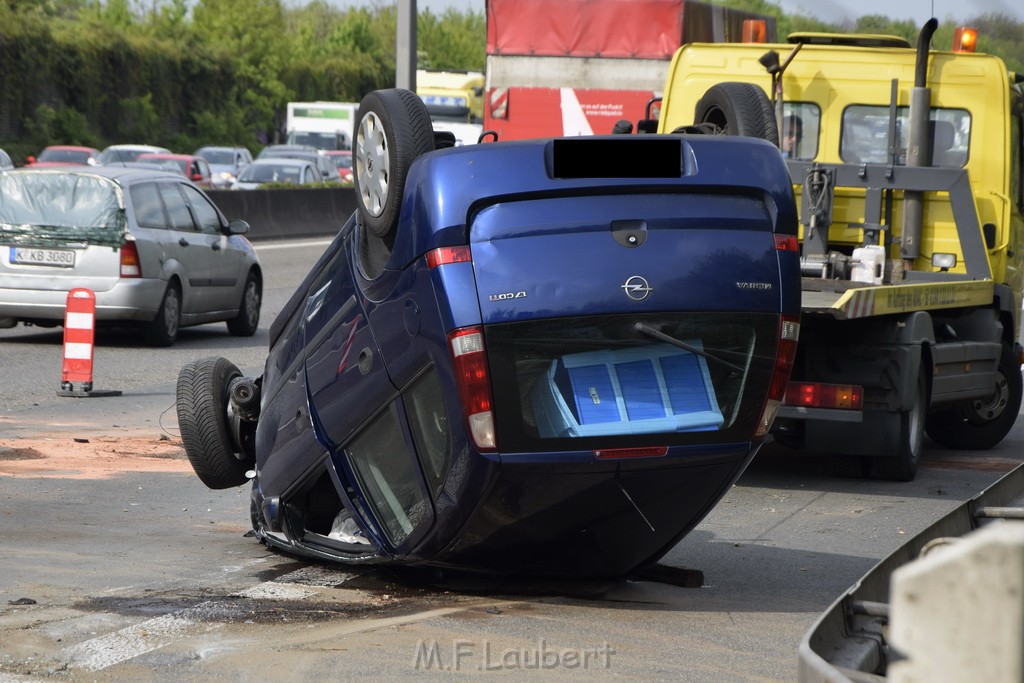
x=903, y=465
x=393, y=128
x=738, y=109
x=983, y=422
x=203, y=419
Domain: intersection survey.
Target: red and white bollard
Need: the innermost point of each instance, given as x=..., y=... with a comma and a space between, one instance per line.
x=79, y=331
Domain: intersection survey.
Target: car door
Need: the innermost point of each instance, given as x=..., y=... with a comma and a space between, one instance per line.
x=195, y=250
x=225, y=265
x=159, y=246
x=345, y=371
x=357, y=408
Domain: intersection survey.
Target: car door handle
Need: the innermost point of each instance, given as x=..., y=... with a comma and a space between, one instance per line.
x=182, y=241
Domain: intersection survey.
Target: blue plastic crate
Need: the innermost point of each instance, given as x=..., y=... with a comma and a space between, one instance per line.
x=641, y=390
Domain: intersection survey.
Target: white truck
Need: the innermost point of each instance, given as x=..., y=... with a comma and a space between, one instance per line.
x=324, y=125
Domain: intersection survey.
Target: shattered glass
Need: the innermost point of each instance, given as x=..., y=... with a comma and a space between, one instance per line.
x=46, y=208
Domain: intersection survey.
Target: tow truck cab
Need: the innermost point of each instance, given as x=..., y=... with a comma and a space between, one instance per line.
x=907, y=166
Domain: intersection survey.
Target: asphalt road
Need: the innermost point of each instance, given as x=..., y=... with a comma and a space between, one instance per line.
x=146, y=575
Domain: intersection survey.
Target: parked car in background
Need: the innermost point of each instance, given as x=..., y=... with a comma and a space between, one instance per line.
x=281, y=150
x=5, y=161
x=120, y=154
x=283, y=170
x=65, y=155
x=225, y=163
x=342, y=158
x=154, y=165
x=157, y=253
x=326, y=166
x=196, y=169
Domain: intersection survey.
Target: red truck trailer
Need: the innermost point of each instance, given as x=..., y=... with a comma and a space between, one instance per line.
x=575, y=67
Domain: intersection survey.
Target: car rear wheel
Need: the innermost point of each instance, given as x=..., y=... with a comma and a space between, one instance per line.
x=248, y=319
x=982, y=423
x=393, y=128
x=738, y=109
x=163, y=329
x=203, y=419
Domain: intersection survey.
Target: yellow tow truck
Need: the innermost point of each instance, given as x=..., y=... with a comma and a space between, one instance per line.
x=907, y=166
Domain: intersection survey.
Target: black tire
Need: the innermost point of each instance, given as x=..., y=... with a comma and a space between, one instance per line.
x=392, y=129
x=982, y=423
x=202, y=402
x=163, y=329
x=248, y=319
x=903, y=466
x=738, y=109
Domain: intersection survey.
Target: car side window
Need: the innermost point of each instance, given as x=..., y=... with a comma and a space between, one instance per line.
x=177, y=210
x=149, y=210
x=206, y=215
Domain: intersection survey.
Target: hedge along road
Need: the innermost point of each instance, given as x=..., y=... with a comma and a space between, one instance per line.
x=134, y=570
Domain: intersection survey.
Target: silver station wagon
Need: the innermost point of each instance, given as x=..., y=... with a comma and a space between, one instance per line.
x=155, y=250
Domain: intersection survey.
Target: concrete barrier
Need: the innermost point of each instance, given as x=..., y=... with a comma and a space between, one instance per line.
x=286, y=213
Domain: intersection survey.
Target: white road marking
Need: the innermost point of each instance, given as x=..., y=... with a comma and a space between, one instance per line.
x=315, y=575
x=99, y=653
x=104, y=651
x=291, y=244
x=270, y=590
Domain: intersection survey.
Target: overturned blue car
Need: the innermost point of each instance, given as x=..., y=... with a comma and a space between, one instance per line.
x=510, y=361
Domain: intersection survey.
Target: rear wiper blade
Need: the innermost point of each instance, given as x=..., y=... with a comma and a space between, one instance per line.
x=661, y=336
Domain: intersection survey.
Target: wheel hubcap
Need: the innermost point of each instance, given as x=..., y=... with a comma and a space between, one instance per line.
x=991, y=407
x=252, y=300
x=372, y=164
x=171, y=312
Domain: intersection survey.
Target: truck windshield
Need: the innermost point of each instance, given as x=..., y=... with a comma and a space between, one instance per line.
x=318, y=140
x=865, y=135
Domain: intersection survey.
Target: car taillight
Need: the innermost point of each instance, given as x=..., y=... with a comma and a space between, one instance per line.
x=445, y=255
x=787, y=243
x=815, y=395
x=785, y=353
x=470, y=362
x=130, y=265
x=621, y=453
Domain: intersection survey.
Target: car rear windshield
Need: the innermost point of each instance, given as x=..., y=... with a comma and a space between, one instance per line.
x=630, y=380
x=45, y=208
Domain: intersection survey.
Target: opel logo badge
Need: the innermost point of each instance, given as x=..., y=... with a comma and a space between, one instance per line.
x=637, y=288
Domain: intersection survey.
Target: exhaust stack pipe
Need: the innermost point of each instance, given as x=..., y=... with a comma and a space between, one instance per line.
x=919, y=146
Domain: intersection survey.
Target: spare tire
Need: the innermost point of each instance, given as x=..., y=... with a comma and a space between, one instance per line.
x=202, y=400
x=738, y=109
x=392, y=129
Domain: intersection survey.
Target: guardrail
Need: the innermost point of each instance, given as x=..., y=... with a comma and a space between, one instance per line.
x=851, y=640
x=285, y=213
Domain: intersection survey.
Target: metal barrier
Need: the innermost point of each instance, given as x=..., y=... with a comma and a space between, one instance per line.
x=285, y=213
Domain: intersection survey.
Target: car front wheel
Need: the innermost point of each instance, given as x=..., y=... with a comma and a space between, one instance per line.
x=204, y=419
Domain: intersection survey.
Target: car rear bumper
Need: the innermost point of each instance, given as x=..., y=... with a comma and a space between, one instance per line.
x=128, y=300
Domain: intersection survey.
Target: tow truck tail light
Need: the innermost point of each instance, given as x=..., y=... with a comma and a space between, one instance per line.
x=755, y=31
x=812, y=395
x=785, y=353
x=965, y=39
x=130, y=265
x=470, y=361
